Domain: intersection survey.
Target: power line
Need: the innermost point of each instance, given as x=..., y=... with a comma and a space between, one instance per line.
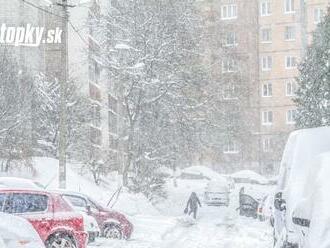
x=57, y=15
x=80, y=36
x=42, y=9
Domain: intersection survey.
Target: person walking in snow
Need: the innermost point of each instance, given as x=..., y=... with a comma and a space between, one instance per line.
x=192, y=205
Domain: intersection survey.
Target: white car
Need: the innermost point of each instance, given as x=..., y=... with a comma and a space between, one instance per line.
x=311, y=215
x=16, y=232
x=217, y=193
x=300, y=152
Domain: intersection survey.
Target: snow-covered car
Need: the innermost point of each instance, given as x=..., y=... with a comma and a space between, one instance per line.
x=217, y=193
x=265, y=209
x=16, y=232
x=311, y=215
x=112, y=224
x=19, y=183
x=301, y=150
x=248, y=176
x=51, y=216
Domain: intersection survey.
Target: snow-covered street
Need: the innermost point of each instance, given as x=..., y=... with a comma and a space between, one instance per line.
x=212, y=231
x=216, y=227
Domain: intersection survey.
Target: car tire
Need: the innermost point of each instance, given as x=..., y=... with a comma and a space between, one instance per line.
x=112, y=232
x=60, y=240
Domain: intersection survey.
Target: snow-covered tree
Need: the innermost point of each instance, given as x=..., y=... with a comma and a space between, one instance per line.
x=46, y=107
x=150, y=51
x=15, y=118
x=313, y=94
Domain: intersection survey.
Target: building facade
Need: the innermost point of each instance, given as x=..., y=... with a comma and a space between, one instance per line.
x=279, y=31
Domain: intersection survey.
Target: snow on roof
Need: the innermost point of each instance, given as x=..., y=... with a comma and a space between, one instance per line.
x=202, y=170
x=248, y=174
x=18, y=183
x=220, y=184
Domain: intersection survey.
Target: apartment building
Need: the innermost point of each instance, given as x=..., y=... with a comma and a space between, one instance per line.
x=285, y=30
x=279, y=31
x=230, y=52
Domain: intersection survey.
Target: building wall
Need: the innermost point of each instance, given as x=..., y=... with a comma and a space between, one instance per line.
x=267, y=142
x=302, y=20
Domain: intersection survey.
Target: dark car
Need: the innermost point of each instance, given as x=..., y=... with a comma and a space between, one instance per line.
x=248, y=206
x=113, y=225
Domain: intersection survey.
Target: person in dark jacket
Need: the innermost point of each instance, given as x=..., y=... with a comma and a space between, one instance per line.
x=192, y=205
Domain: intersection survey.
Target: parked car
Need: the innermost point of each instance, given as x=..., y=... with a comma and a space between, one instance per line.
x=311, y=214
x=301, y=150
x=217, y=193
x=51, y=216
x=248, y=206
x=113, y=225
x=16, y=232
x=265, y=209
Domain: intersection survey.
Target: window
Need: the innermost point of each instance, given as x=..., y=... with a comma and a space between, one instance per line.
x=290, y=62
x=318, y=15
x=267, y=90
x=267, y=144
x=229, y=92
x=290, y=33
x=265, y=9
x=289, y=6
x=229, y=66
x=230, y=39
x=266, y=35
x=76, y=201
x=229, y=12
x=28, y=203
x=291, y=116
x=230, y=147
x=267, y=117
x=266, y=63
x=291, y=88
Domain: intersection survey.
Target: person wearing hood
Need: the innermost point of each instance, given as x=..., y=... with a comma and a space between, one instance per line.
x=192, y=205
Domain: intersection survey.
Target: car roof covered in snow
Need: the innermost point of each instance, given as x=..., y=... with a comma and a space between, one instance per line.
x=217, y=185
x=19, y=183
x=69, y=192
x=248, y=174
x=203, y=171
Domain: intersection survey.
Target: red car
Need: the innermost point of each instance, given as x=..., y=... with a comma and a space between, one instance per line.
x=52, y=217
x=113, y=225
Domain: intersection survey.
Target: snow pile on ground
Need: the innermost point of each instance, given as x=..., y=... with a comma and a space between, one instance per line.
x=46, y=173
x=249, y=176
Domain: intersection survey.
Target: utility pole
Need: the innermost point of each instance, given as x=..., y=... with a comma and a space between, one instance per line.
x=63, y=88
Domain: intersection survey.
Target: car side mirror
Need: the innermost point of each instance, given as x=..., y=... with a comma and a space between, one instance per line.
x=89, y=209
